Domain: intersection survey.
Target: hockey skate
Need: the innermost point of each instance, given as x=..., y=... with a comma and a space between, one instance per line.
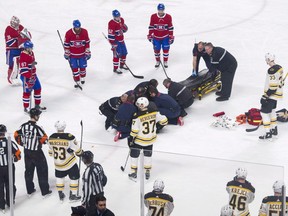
x=133, y=176
x=180, y=121
x=74, y=197
x=123, y=67
x=82, y=80
x=117, y=71
x=274, y=132
x=147, y=174
x=267, y=136
x=37, y=106
x=117, y=136
x=165, y=64
x=26, y=111
x=157, y=64
x=61, y=196
x=78, y=85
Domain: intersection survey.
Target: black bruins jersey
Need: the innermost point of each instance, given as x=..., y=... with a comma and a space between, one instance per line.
x=158, y=204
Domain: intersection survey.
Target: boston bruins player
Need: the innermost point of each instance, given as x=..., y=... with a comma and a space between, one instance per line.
x=271, y=205
x=241, y=193
x=143, y=135
x=63, y=147
x=272, y=92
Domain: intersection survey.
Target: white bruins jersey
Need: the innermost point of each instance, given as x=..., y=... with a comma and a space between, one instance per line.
x=144, y=127
x=240, y=195
x=271, y=206
x=274, y=82
x=58, y=145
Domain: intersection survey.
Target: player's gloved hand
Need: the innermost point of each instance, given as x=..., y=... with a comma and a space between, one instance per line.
x=124, y=28
x=130, y=141
x=150, y=38
x=29, y=84
x=87, y=54
x=70, y=151
x=67, y=54
x=114, y=47
x=264, y=99
x=171, y=39
x=194, y=73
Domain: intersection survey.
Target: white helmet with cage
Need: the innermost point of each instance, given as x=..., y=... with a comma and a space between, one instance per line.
x=158, y=185
x=226, y=210
x=277, y=186
x=269, y=57
x=241, y=172
x=60, y=125
x=142, y=102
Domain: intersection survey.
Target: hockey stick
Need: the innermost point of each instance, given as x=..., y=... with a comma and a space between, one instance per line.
x=123, y=168
x=164, y=70
x=78, y=86
x=253, y=129
x=136, y=76
x=81, y=141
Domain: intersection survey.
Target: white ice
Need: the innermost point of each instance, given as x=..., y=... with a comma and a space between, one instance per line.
x=195, y=161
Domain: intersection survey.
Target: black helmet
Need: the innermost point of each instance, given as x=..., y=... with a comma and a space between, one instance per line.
x=3, y=129
x=35, y=112
x=87, y=157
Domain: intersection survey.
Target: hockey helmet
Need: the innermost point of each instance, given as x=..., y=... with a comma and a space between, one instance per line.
x=15, y=22
x=277, y=186
x=161, y=7
x=226, y=210
x=142, y=102
x=35, y=112
x=60, y=125
x=241, y=172
x=76, y=24
x=3, y=128
x=28, y=45
x=87, y=157
x=158, y=185
x=116, y=13
x=269, y=57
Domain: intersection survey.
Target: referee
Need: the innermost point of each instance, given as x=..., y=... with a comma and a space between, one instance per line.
x=4, y=175
x=32, y=137
x=94, y=180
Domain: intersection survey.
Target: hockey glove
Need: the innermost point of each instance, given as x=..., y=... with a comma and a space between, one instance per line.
x=87, y=54
x=264, y=100
x=114, y=47
x=130, y=141
x=124, y=28
x=67, y=54
x=29, y=84
x=150, y=38
x=171, y=39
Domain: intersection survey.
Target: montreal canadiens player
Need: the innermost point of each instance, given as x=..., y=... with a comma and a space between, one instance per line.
x=77, y=51
x=161, y=34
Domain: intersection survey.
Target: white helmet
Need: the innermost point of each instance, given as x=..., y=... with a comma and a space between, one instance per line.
x=14, y=22
x=142, y=102
x=241, y=172
x=226, y=210
x=158, y=185
x=269, y=57
x=277, y=186
x=60, y=125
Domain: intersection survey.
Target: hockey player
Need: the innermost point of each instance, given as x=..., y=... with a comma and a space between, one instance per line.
x=63, y=147
x=198, y=52
x=161, y=34
x=145, y=86
x=77, y=51
x=4, y=173
x=116, y=30
x=123, y=118
x=110, y=107
x=226, y=211
x=241, y=192
x=29, y=77
x=157, y=202
x=223, y=61
x=272, y=92
x=272, y=205
x=179, y=93
x=15, y=36
x=143, y=135
x=167, y=106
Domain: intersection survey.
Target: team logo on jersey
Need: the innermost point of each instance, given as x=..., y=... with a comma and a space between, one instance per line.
x=77, y=44
x=161, y=27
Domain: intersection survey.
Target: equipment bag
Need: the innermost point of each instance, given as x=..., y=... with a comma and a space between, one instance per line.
x=254, y=116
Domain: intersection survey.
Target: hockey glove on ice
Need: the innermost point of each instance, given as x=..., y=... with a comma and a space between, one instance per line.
x=171, y=39
x=264, y=100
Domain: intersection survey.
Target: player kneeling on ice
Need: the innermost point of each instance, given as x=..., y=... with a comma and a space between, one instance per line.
x=272, y=92
x=157, y=202
x=63, y=147
x=143, y=135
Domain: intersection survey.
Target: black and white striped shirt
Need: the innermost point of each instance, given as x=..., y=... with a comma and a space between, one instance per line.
x=94, y=180
x=31, y=136
x=4, y=151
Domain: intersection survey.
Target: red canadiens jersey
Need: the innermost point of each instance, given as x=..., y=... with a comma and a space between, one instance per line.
x=161, y=27
x=27, y=64
x=76, y=44
x=12, y=37
x=115, y=31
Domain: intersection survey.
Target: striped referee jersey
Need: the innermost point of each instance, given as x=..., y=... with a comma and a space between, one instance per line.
x=4, y=151
x=31, y=136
